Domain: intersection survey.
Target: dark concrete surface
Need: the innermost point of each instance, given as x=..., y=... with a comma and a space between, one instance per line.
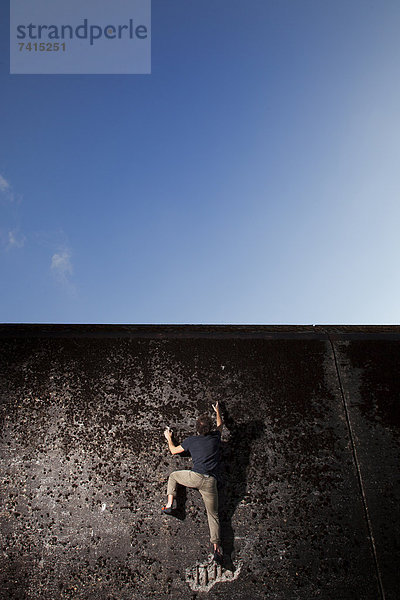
x=310, y=496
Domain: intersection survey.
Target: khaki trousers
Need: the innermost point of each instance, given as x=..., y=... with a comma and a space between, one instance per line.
x=207, y=487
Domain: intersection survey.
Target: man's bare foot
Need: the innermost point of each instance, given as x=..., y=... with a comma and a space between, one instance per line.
x=170, y=501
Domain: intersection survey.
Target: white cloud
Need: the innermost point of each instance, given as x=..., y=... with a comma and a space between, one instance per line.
x=7, y=192
x=62, y=269
x=15, y=239
x=4, y=185
x=6, y=189
x=10, y=237
x=61, y=263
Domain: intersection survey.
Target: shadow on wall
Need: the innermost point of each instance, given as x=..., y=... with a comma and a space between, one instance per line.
x=235, y=458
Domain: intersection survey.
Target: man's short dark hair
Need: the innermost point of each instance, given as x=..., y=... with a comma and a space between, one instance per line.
x=204, y=425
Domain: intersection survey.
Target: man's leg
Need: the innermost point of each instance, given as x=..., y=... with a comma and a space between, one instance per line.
x=187, y=478
x=209, y=492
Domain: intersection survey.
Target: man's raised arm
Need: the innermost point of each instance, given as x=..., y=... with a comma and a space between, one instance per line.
x=218, y=414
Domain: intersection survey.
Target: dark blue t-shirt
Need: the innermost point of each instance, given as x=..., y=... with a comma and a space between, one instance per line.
x=205, y=452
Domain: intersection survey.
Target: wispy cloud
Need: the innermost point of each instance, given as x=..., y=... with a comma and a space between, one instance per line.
x=6, y=190
x=15, y=239
x=61, y=263
x=4, y=185
x=10, y=234
x=62, y=269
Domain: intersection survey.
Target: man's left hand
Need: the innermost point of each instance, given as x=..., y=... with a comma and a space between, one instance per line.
x=167, y=434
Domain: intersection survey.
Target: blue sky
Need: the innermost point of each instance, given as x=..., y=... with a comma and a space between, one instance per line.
x=253, y=177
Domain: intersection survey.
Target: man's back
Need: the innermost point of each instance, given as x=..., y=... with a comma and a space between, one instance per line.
x=205, y=452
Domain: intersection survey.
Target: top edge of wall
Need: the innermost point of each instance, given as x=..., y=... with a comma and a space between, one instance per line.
x=160, y=331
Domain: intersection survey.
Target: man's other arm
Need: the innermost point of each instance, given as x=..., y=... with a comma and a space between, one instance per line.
x=172, y=448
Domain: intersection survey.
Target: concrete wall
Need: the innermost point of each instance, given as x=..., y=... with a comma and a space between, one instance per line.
x=310, y=495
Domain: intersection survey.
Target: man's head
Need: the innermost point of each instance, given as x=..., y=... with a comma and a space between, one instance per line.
x=204, y=425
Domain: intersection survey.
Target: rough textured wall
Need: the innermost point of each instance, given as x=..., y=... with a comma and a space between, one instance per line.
x=310, y=494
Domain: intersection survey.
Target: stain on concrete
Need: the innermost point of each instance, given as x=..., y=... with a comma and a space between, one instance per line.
x=84, y=463
x=369, y=372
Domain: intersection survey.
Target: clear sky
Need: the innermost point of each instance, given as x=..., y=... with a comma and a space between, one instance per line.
x=253, y=177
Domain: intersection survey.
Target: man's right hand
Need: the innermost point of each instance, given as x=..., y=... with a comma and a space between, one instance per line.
x=219, y=420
